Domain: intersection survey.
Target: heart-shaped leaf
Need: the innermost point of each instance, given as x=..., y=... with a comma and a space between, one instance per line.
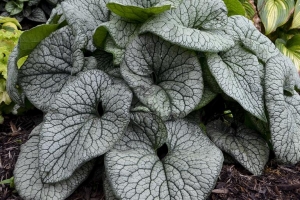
x=37, y=15
x=189, y=170
x=84, y=17
x=194, y=25
x=274, y=13
x=283, y=105
x=140, y=10
x=237, y=73
x=48, y=67
x=166, y=78
x=87, y=118
x=291, y=49
x=14, y=7
x=243, y=144
x=296, y=18
x=243, y=31
x=28, y=182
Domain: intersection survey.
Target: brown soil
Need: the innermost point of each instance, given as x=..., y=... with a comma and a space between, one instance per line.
x=277, y=183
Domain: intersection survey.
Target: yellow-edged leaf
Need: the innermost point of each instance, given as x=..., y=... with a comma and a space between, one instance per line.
x=296, y=19
x=291, y=49
x=274, y=13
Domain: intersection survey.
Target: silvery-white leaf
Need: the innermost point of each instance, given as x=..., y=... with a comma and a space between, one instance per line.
x=188, y=171
x=85, y=16
x=237, y=73
x=243, y=144
x=242, y=30
x=165, y=77
x=48, y=68
x=194, y=24
x=27, y=178
x=15, y=94
x=86, y=119
x=283, y=109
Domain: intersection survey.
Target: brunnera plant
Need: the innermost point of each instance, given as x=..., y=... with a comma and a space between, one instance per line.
x=130, y=81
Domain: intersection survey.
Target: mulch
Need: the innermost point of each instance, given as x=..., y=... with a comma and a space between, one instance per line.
x=278, y=182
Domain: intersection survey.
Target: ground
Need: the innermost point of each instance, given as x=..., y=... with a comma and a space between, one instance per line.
x=278, y=181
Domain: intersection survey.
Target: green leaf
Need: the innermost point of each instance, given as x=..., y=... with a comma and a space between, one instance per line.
x=291, y=49
x=274, y=13
x=284, y=111
x=250, y=11
x=140, y=10
x=27, y=177
x=165, y=77
x=243, y=144
x=31, y=38
x=296, y=18
x=9, y=181
x=189, y=170
x=89, y=115
x=234, y=7
x=243, y=31
x=14, y=7
x=117, y=52
x=196, y=25
x=238, y=75
x=85, y=17
x=40, y=77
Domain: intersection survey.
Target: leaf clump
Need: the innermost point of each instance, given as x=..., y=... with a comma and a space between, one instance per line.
x=158, y=95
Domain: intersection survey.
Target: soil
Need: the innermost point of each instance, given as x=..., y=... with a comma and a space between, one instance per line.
x=278, y=181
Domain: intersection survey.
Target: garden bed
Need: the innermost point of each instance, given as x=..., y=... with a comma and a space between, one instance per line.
x=277, y=182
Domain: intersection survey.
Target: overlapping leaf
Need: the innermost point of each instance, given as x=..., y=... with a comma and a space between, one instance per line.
x=296, y=18
x=283, y=105
x=243, y=144
x=208, y=96
x=243, y=31
x=48, y=68
x=115, y=35
x=28, y=182
x=274, y=13
x=140, y=10
x=88, y=116
x=234, y=7
x=27, y=42
x=193, y=24
x=166, y=78
x=188, y=171
x=84, y=17
x=291, y=49
x=237, y=73
x=120, y=30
